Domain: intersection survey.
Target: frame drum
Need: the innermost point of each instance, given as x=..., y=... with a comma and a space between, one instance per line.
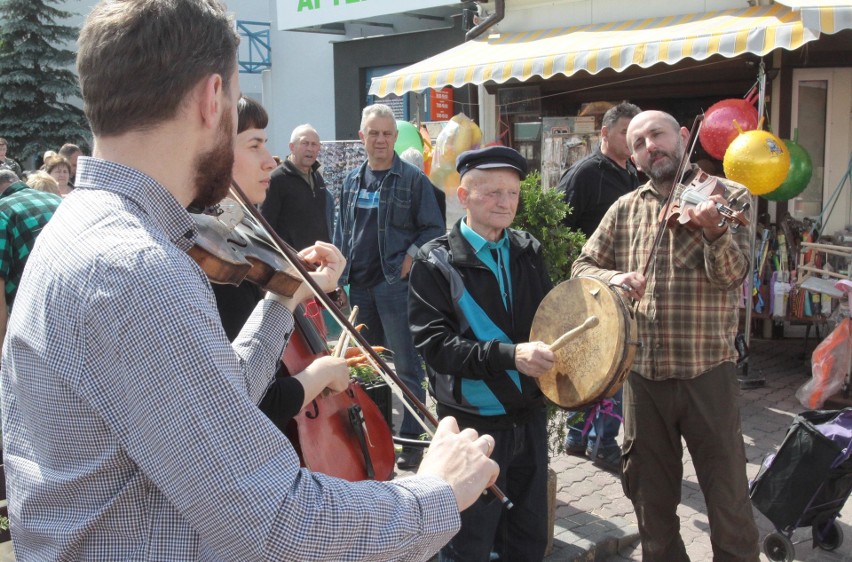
x=595, y=363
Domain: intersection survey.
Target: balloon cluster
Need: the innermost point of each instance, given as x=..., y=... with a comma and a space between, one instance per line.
x=774, y=169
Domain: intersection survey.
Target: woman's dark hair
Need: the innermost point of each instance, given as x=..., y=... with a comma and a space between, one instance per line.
x=250, y=115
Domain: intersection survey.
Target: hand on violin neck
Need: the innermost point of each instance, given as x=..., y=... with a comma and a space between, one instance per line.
x=461, y=459
x=706, y=215
x=329, y=261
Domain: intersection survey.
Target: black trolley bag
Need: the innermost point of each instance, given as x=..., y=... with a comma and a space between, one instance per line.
x=807, y=481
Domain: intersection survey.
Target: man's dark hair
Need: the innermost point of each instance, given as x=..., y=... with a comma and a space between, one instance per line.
x=138, y=59
x=624, y=109
x=250, y=115
x=68, y=150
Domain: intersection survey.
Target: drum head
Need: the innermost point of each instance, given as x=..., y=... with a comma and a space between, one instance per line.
x=594, y=364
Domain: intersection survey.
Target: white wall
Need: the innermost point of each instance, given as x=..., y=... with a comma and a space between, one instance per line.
x=300, y=86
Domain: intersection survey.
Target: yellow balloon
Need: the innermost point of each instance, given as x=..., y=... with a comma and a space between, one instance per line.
x=757, y=159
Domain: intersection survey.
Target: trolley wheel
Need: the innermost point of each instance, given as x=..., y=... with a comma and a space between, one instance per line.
x=827, y=534
x=778, y=548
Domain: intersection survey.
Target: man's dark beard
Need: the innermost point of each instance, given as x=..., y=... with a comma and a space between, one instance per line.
x=213, y=168
x=664, y=174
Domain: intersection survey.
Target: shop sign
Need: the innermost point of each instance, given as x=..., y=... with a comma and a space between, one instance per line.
x=441, y=104
x=296, y=14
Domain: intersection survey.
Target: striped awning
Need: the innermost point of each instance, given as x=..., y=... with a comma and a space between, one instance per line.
x=619, y=45
x=827, y=16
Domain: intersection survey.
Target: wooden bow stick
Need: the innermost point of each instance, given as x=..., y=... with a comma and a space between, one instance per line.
x=563, y=340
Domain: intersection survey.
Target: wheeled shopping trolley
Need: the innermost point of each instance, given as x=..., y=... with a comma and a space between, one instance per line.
x=806, y=483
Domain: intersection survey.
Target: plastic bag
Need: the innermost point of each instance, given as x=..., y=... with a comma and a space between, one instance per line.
x=459, y=134
x=830, y=365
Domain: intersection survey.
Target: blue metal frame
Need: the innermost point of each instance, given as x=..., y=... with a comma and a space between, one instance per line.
x=255, y=35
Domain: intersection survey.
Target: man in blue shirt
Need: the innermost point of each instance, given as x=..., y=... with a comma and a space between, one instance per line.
x=387, y=211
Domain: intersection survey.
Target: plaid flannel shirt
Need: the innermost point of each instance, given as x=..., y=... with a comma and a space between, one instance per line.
x=23, y=213
x=687, y=320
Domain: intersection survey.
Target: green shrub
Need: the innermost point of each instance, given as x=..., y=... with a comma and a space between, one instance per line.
x=540, y=213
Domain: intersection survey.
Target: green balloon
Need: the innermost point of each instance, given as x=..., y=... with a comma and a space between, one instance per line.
x=798, y=176
x=408, y=137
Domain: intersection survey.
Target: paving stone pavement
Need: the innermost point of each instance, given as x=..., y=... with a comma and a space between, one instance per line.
x=595, y=521
x=591, y=503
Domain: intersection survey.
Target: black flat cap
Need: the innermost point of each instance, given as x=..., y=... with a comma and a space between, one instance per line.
x=492, y=157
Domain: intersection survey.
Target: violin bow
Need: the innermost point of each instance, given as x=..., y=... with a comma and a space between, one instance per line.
x=681, y=168
x=378, y=362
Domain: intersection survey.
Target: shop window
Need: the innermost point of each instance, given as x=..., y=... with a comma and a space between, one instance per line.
x=811, y=94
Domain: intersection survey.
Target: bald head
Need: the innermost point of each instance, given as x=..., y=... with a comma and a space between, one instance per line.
x=653, y=118
x=656, y=143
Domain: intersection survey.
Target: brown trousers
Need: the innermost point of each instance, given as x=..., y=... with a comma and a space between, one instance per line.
x=704, y=412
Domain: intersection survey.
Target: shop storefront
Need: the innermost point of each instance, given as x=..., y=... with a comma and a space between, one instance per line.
x=543, y=92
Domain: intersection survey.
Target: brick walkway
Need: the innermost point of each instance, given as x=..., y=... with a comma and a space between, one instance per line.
x=596, y=522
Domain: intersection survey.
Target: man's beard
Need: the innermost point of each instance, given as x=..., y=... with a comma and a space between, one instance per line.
x=664, y=172
x=213, y=168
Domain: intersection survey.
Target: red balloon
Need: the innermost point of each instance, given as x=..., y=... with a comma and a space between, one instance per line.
x=718, y=130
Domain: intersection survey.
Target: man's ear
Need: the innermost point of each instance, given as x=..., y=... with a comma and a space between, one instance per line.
x=210, y=91
x=463, y=193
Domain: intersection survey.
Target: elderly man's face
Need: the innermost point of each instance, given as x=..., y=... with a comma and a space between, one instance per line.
x=491, y=199
x=379, y=136
x=305, y=150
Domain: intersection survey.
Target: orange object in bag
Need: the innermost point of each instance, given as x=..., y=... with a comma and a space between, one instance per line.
x=830, y=361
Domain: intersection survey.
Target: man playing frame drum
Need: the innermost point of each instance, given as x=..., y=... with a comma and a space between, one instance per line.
x=473, y=294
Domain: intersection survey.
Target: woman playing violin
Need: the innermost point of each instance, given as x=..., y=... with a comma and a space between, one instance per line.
x=253, y=164
x=683, y=382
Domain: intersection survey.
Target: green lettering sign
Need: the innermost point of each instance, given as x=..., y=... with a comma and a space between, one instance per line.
x=307, y=4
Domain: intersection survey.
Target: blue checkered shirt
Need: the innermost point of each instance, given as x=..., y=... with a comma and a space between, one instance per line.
x=130, y=423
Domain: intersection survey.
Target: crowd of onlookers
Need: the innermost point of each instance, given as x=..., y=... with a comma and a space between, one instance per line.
x=53, y=173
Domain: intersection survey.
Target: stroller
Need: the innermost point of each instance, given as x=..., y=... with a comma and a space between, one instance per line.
x=806, y=483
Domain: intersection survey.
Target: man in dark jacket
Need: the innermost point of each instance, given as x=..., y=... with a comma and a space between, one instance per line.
x=591, y=186
x=473, y=295
x=298, y=206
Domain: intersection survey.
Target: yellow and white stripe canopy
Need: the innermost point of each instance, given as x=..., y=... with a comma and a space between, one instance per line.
x=619, y=45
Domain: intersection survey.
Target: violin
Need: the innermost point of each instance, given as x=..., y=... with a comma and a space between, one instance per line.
x=409, y=400
x=699, y=189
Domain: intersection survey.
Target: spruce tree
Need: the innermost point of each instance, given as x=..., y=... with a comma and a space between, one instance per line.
x=37, y=81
